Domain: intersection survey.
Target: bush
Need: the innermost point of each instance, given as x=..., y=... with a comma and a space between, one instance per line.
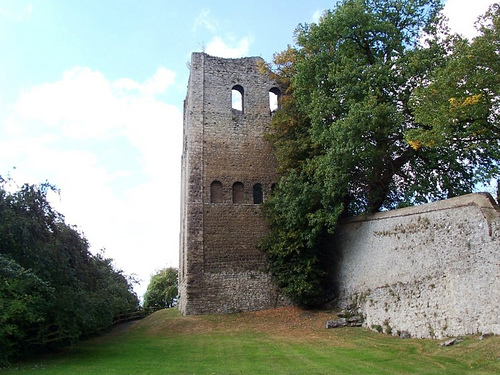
x=52, y=289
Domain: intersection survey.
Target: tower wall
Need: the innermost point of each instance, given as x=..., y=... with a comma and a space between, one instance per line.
x=224, y=159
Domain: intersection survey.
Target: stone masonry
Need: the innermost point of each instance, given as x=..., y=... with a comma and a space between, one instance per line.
x=426, y=271
x=227, y=171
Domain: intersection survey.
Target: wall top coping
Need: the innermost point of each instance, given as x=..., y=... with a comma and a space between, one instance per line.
x=206, y=55
x=483, y=201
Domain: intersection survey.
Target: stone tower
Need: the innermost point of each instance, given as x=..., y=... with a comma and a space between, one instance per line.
x=227, y=171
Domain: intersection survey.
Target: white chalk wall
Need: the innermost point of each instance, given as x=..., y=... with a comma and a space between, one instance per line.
x=432, y=271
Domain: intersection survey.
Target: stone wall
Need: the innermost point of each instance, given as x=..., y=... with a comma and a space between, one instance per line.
x=227, y=169
x=431, y=270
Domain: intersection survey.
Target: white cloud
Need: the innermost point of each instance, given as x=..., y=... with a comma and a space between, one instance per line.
x=81, y=105
x=16, y=11
x=462, y=15
x=238, y=48
x=204, y=20
x=84, y=104
x=159, y=83
x=155, y=85
x=228, y=46
x=317, y=15
x=114, y=151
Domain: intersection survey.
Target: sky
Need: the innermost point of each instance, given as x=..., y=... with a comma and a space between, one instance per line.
x=91, y=98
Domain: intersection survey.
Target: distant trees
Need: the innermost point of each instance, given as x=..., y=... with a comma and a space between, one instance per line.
x=162, y=291
x=52, y=289
x=354, y=136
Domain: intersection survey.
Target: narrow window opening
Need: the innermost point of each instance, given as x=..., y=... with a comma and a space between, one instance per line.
x=274, y=96
x=237, y=98
x=258, y=194
x=216, y=192
x=238, y=193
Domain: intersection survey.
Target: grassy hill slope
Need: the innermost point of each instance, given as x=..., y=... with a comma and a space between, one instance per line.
x=280, y=341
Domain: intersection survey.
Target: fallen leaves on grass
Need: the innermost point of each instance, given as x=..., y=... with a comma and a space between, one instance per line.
x=290, y=321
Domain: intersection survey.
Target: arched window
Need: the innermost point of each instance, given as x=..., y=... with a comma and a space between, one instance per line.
x=216, y=192
x=237, y=98
x=238, y=193
x=274, y=96
x=258, y=194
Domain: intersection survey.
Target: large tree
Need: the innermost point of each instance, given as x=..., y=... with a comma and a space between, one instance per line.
x=341, y=133
x=459, y=107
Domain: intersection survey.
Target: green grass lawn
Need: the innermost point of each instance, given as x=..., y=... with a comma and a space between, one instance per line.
x=288, y=342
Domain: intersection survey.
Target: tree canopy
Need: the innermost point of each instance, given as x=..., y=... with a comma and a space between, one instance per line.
x=341, y=135
x=52, y=289
x=460, y=104
x=162, y=291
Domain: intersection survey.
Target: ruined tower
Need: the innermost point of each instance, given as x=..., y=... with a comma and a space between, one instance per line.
x=429, y=271
x=227, y=171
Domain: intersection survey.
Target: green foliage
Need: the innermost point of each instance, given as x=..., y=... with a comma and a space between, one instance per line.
x=459, y=108
x=24, y=304
x=356, y=72
x=341, y=134
x=298, y=228
x=52, y=289
x=162, y=291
